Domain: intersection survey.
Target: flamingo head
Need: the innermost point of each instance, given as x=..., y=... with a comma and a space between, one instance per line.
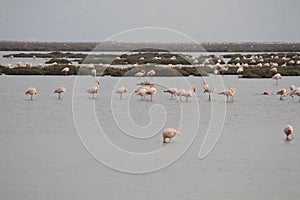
x=97, y=82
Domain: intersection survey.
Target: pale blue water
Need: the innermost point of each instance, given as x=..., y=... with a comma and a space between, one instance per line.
x=42, y=156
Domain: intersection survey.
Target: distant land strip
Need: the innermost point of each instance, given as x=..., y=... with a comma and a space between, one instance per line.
x=126, y=47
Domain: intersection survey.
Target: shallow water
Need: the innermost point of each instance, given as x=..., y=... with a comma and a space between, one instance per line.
x=44, y=157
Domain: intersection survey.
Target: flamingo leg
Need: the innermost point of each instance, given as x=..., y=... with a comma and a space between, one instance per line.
x=120, y=96
x=186, y=99
x=151, y=97
x=209, y=98
x=31, y=97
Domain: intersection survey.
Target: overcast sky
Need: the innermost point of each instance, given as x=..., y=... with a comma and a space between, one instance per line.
x=200, y=20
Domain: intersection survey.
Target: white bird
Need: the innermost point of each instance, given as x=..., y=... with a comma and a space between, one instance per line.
x=169, y=133
x=31, y=91
x=93, y=72
x=59, y=91
x=93, y=90
x=65, y=70
x=186, y=94
x=288, y=131
x=172, y=91
x=282, y=93
x=208, y=89
x=277, y=77
x=273, y=70
x=140, y=73
x=151, y=73
x=122, y=90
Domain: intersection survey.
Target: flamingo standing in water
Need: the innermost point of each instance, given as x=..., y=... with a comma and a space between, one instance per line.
x=289, y=131
x=121, y=91
x=65, y=70
x=59, y=91
x=31, y=91
x=169, y=133
x=296, y=91
x=282, y=93
x=172, y=91
x=186, y=94
x=277, y=77
x=93, y=90
x=151, y=91
x=228, y=92
x=141, y=91
x=93, y=72
x=208, y=89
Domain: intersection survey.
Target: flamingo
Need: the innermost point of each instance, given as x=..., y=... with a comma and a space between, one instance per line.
x=228, y=92
x=240, y=69
x=277, y=77
x=31, y=91
x=288, y=131
x=273, y=70
x=172, y=91
x=151, y=73
x=186, y=94
x=142, y=92
x=151, y=91
x=59, y=91
x=93, y=90
x=140, y=73
x=65, y=70
x=121, y=91
x=94, y=72
x=170, y=133
x=282, y=93
x=208, y=89
x=296, y=91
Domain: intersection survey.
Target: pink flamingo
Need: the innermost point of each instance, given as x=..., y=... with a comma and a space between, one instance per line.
x=288, y=131
x=208, y=89
x=282, y=93
x=121, y=91
x=172, y=91
x=141, y=91
x=170, y=133
x=93, y=90
x=277, y=77
x=186, y=94
x=151, y=91
x=59, y=91
x=228, y=92
x=31, y=91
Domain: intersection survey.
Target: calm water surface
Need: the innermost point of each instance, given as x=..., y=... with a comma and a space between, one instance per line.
x=42, y=157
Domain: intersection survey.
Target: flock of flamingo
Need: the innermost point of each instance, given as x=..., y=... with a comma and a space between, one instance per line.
x=150, y=90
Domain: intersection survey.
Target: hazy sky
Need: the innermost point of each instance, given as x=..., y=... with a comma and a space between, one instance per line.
x=202, y=20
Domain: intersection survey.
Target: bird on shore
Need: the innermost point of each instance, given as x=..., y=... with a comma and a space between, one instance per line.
x=273, y=70
x=288, y=131
x=93, y=90
x=59, y=91
x=282, y=93
x=122, y=90
x=240, y=70
x=169, y=133
x=151, y=73
x=172, y=91
x=65, y=70
x=186, y=93
x=208, y=89
x=228, y=93
x=93, y=72
x=31, y=91
x=277, y=77
x=140, y=73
